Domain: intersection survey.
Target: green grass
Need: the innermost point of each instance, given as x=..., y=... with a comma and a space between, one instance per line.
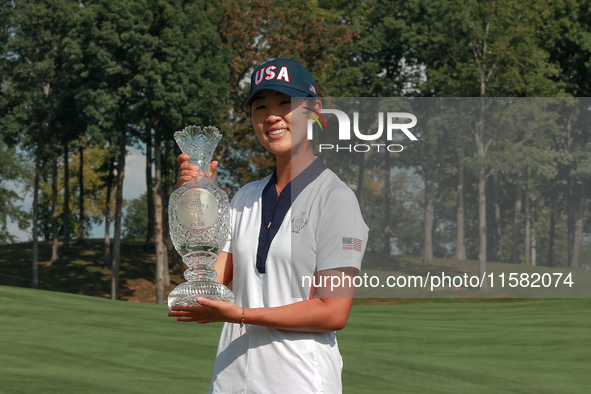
x=528, y=346
x=62, y=343
x=53, y=342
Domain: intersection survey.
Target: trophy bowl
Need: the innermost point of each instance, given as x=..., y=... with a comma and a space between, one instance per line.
x=199, y=220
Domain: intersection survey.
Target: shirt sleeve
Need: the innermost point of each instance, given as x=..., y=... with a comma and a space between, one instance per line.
x=341, y=234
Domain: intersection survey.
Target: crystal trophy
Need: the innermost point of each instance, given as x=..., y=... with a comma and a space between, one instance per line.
x=199, y=219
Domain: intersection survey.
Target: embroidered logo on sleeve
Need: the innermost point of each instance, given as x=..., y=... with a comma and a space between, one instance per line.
x=352, y=243
x=298, y=223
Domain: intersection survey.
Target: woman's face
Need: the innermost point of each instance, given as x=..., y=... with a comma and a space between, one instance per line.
x=271, y=116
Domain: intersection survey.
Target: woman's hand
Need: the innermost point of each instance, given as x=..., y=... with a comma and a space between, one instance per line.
x=329, y=312
x=209, y=311
x=189, y=171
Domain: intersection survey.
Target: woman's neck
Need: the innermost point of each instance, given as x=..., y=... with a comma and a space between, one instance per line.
x=290, y=167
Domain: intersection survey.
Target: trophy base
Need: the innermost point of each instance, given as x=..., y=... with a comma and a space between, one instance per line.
x=186, y=293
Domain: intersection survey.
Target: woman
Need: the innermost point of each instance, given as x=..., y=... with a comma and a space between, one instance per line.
x=279, y=335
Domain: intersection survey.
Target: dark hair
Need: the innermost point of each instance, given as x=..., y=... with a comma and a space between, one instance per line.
x=319, y=91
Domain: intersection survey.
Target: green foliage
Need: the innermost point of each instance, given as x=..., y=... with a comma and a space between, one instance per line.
x=135, y=220
x=568, y=42
x=145, y=68
x=94, y=192
x=376, y=63
x=12, y=170
x=481, y=48
x=253, y=32
x=35, y=69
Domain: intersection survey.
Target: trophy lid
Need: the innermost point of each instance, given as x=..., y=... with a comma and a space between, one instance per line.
x=198, y=143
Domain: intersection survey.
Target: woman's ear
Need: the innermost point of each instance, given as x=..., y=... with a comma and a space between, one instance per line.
x=318, y=105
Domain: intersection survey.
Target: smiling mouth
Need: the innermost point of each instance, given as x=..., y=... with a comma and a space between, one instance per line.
x=276, y=132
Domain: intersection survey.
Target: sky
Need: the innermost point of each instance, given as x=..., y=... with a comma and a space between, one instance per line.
x=134, y=184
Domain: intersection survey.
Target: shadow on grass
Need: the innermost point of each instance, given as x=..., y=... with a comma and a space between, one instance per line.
x=82, y=270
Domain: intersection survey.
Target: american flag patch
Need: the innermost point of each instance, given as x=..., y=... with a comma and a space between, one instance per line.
x=352, y=243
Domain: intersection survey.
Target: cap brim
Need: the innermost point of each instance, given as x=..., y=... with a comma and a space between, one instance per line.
x=279, y=88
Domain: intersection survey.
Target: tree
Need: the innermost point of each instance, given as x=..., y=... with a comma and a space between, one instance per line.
x=135, y=220
x=181, y=81
x=95, y=171
x=579, y=166
x=480, y=49
x=12, y=169
x=569, y=45
x=108, y=181
x=32, y=58
x=107, y=62
x=54, y=214
x=427, y=156
x=149, y=194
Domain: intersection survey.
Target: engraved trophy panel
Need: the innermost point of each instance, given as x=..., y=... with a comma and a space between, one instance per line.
x=199, y=219
x=197, y=209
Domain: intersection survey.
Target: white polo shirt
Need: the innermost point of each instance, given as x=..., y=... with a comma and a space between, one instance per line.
x=322, y=228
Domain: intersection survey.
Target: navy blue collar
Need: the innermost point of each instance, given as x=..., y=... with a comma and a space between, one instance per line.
x=276, y=207
x=306, y=177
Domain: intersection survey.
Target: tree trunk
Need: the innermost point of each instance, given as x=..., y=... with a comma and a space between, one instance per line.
x=498, y=248
x=386, y=224
x=80, y=237
x=428, y=226
x=149, y=192
x=165, y=238
x=360, y=176
x=107, y=262
x=552, y=228
x=516, y=225
x=177, y=261
x=533, y=249
x=571, y=211
x=54, y=224
x=45, y=211
x=482, y=225
x=35, y=276
x=578, y=233
x=158, y=226
x=527, y=240
x=118, y=208
x=165, y=223
x=66, y=235
x=570, y=193
x=460, y=235
x=481, y=148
